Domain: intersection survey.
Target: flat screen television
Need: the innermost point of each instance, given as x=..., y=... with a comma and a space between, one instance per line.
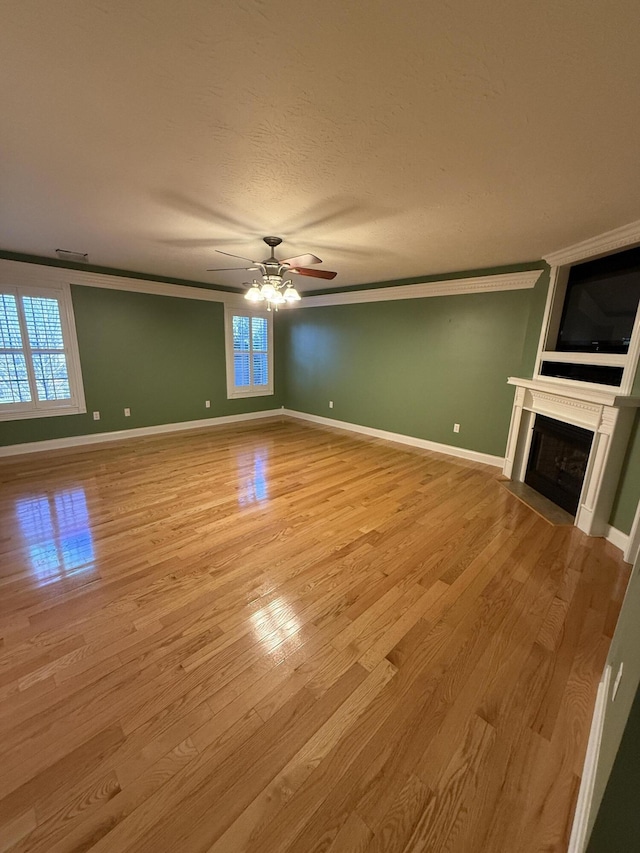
x=600, y=304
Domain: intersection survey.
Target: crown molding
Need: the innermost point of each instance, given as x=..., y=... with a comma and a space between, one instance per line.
x=420, y=290
x=603, y=244
x=20, y=272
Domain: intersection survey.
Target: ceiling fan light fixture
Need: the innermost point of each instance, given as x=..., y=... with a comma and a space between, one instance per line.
x=291, y=294
x=273, y=289
x=253, y=294
x=268, y=291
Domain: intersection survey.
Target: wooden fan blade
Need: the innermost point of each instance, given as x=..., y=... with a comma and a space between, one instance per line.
x=242, y=257
x=302, y=261
x=313, y=273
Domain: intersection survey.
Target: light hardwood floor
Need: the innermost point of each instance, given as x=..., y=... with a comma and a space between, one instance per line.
x=279, y=638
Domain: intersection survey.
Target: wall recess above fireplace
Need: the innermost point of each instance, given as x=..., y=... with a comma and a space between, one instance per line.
x=591, y=329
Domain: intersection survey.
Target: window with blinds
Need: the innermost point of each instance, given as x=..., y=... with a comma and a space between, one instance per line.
x=39, y=366
x=249, y=354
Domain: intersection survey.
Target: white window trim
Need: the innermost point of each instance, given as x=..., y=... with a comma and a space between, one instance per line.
x=234, y=393
x=76, y=404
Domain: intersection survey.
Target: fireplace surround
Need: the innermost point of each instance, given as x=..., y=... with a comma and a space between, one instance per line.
x=593, y=390
x=606, y=415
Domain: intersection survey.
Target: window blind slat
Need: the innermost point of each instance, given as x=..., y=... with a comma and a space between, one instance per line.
x=14, y=379
x=10, y=337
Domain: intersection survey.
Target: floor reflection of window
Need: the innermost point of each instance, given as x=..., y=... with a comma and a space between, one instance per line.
x=274, y=623
x=57, y=534
x=252, y=477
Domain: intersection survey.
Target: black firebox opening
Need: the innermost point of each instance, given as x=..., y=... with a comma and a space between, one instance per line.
x=558, y=461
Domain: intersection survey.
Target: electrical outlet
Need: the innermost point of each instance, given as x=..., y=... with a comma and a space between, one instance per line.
x=207, y=404
x=331, y=404
x=96, y=416
x=456, y=427
x=127, y=413
x=616, y=683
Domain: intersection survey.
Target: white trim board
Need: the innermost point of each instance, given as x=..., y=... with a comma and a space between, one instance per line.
x=578, y=840
x=604, y=244
x=21, y=272
x=399, y=438
x=421, y=290
x=137, y=432
x=618, y=538
x=633, y=543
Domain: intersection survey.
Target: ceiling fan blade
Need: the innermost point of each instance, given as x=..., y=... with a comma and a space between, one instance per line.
x=302, y=261
x=313, y=273
x=242, y=257
x=229, y=269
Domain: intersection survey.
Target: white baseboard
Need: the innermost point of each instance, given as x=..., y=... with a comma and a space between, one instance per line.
x=617, y=538
x=578, y=840
x=138, y=432
x=633, y=545
x=400, y=438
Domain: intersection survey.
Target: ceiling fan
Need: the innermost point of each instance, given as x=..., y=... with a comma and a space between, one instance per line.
x=274, y=289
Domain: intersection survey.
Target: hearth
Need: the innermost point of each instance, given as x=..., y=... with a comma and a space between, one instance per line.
x=558, y=461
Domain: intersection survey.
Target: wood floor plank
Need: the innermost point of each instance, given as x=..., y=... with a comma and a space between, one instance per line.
x=278, y=638
x=447, y=811
x=14, y=831
x=237, y=781
x=353, y=837
x=283, y=786
x=399, y=822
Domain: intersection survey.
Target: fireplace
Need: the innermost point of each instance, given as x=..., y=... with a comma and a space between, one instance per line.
x=546, y=415
x=558, y=461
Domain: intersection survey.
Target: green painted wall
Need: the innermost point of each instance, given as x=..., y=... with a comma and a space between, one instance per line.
x=617, y=826
x=624, y=649
x=162, y=357
x=628, y=495
x=417, y=366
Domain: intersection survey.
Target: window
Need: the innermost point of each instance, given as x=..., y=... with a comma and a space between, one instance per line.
x=249, y=348
x=39, y=364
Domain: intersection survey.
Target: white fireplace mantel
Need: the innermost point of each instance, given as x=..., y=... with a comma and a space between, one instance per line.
x=606, y=413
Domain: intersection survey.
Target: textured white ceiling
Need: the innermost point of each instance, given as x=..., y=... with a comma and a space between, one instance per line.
x=393, y=139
